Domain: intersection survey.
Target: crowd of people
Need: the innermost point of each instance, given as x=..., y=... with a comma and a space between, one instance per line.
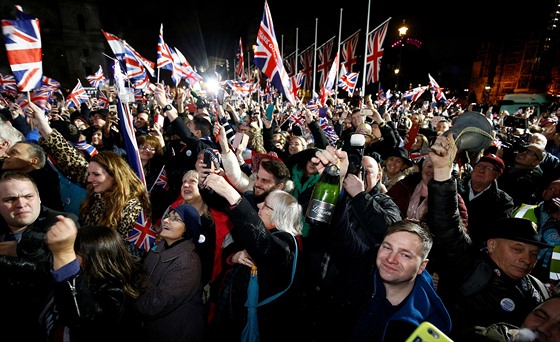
x=431, y=225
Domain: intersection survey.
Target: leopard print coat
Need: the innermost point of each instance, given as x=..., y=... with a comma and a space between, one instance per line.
x=74, y=166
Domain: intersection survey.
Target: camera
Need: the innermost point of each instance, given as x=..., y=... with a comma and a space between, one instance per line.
x=515, y=122
x=355, y=153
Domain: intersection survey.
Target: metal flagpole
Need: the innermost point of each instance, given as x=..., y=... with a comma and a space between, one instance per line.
x=338, y=67
x=297, y=58
x=315, y=57
x=363, y=90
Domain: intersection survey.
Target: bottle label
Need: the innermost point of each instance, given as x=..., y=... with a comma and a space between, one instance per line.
x=320, y=211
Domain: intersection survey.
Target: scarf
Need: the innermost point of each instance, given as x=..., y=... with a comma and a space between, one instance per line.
x=297, y=176
x=417, y=206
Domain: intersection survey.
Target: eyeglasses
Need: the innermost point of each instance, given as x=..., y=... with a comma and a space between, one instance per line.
x=267, y=206
x=147, y=148
x=485, y=168
x=172, y=218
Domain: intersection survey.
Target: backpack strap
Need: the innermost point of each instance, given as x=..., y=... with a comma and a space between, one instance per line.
x=273, y=297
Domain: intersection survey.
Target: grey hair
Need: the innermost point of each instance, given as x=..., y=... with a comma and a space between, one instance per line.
x=287, y=212
x=10, y=134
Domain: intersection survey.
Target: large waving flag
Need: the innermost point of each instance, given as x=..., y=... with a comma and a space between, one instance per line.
x=77, y=96
x=290, y=64
x=348, y=51
x=306, y=61
x=25, y=54
x=268, y=58
x=324, y=54
x=240, y=62
x=182, y=69
x=164, y=57
x=97, y=80
x=116, y=45
x=375, y=52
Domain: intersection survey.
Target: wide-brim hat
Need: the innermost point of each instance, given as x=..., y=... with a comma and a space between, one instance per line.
x=516, y=229
x=402, y=153
x=472, y=132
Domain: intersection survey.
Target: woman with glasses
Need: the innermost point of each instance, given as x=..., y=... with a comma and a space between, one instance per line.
x=268, y=240
x=156, y=168
x=171, y=306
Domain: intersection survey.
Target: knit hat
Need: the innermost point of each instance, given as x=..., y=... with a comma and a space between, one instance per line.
x=516, y=229
x=494, y=160
x=191, y=218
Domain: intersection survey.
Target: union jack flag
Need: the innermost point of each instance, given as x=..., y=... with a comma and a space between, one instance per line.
x=348, y=50
x=324, y=54
x=329, y=130
x=142, y=235
x=8, y=83
x=182, y=69
x=135, y=68
x=240, y=62
x=116, y=45
x=51, y=83
x=436, y=90
x=296, y=80
x=375, y=52
x=77, y=96
x=348, y=80
x=162, y=179
x=97, y=80
x=306, y=61
x=102, y=101
x=268, y=58
x=239, y=87
x=414, y=94
x=297, y=119
x=23, y=46
x=290, y=64
x=164, y=57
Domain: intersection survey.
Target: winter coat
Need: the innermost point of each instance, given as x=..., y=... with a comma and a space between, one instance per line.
x=474, y=289
x=172, y=307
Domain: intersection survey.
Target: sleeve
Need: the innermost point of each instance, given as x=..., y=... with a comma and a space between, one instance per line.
x=68, y=160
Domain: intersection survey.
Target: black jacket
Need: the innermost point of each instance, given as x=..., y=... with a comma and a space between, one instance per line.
x=484, y=209
x=474, y=289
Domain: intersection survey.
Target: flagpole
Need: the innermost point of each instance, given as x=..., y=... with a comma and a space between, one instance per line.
x=363, y=91
x=315, y=57
x=338, y=53
x=297, y=58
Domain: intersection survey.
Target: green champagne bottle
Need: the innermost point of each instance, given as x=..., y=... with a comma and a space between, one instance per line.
x=320, y=209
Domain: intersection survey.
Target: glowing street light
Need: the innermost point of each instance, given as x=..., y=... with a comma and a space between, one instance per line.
x=402, y=35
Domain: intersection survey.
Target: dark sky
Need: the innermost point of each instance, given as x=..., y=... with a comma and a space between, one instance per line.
x=451, y=32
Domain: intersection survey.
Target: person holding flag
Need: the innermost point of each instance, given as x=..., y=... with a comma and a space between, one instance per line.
x=115, y=194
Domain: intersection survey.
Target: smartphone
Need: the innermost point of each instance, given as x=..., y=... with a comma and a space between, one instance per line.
x=269, y=111
x=427, y=332
x=239, y=139
x=113, y=108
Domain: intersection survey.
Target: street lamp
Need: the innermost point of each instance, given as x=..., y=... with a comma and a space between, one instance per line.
x=402, y=35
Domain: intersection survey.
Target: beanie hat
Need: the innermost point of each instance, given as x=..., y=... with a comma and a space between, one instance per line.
x=191, y=218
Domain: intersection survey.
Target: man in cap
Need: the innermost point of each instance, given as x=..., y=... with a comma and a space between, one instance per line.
x=523, y=178
x=480, y=286
x=485, y=201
